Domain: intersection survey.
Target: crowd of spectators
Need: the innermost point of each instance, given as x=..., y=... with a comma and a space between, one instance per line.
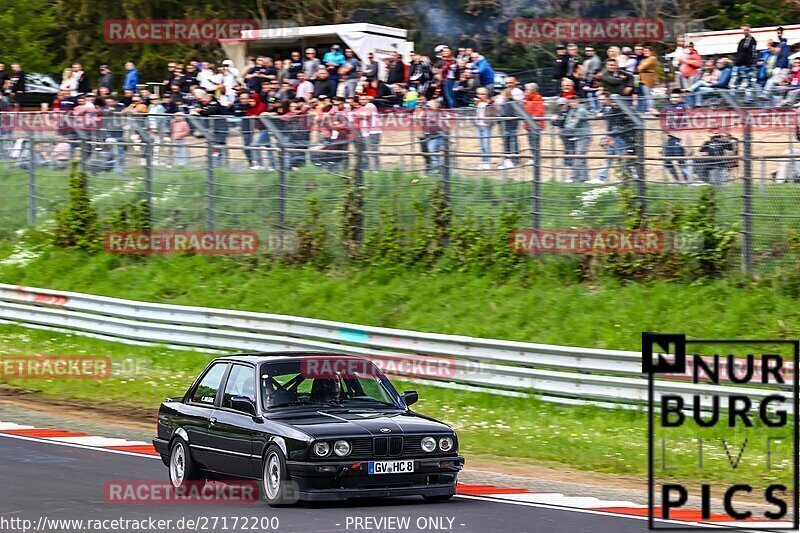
x=307, y=87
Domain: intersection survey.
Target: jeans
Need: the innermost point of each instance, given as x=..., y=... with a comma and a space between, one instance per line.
x=262, y=140
x=741, y=72
x=510, y=140
x=372, y=141
x=619, y=147
x=580, y=166
x=645, y=98
x=434, y=144
x=247, y=136
x=180, y=152
x=484, y=137
x=674, y=148
x=449, y=94
x=594, y=101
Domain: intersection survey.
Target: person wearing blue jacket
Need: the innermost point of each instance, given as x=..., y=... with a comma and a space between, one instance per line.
x=483, y=71
x=783, y=56
x=131, y=77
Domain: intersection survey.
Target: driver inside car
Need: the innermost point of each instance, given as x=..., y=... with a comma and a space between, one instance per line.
x=326, y=390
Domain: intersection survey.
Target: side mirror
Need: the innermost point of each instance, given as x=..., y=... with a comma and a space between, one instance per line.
x=410, y=397
x=243, y=404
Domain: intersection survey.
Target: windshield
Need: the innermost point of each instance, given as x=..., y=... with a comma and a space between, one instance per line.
x=327, y=381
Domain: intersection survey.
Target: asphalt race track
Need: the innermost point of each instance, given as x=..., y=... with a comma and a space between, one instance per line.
x=42, y=479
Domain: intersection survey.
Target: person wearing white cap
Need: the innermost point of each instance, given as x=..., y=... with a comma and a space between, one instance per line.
x=230, y=69
x=312, y=64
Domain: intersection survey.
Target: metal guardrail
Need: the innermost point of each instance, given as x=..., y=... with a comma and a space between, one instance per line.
x=548, y=370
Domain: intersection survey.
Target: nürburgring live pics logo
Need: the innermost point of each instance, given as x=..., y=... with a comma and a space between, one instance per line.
x=731, y=425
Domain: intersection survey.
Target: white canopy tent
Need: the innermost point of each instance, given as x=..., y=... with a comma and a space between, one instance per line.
x=361, y=37
x=725, y=42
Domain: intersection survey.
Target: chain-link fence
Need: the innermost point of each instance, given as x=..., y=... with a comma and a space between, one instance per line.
x=258, y=173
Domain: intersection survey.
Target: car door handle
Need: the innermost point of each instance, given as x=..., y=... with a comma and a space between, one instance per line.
x=212, y=421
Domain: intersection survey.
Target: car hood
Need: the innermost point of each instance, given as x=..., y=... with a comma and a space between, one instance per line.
x=358, y=423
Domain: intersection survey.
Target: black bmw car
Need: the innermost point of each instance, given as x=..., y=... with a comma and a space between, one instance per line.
x=309, y=426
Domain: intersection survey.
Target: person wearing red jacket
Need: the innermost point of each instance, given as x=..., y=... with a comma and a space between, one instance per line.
x=261, y=143
x=533, y=104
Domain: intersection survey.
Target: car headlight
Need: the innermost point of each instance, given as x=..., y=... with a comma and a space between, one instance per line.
x=428, y=444
x=341, y=448
x=446, y=444
x=321, y=449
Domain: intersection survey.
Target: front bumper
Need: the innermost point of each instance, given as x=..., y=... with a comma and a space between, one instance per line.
x=342, y=480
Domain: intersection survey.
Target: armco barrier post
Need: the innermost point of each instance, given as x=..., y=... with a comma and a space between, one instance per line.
x=32, y=180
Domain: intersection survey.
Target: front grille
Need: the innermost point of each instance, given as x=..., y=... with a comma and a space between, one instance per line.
x=380, y=446
x=395, y=446
x=363, y=448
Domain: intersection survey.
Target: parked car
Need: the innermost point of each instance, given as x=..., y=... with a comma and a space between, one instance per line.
x=39, y=88
x=308, y=426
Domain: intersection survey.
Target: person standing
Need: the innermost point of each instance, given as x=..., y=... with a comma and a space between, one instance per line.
x=365, y=119
x=648, y=78
x=16, y=85
x=483, y=126
x=691, y=63
x=106, y=78
x=579, y=131
x=783, y=57
x=510, y=121
x=560, y=67
x=312, y=64
x=131, y=77
x=534, y=105
x=677, y=55
x=744, y=59
x=674, y=119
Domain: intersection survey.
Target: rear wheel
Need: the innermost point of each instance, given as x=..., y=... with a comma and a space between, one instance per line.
x=181, y=466
x=278, y=488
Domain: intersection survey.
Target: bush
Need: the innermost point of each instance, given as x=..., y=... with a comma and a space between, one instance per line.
x=77, y=224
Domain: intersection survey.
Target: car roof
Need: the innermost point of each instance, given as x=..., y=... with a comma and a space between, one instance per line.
x=281, y=356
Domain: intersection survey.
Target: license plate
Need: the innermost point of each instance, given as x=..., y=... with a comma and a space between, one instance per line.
x=391, y=467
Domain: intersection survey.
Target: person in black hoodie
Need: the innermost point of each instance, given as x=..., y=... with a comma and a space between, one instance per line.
x=397, y=70
x=744, y=59
x=324, y=85
x=106, y=78
x=16, y=85
x=209, y=107
x=560, y=67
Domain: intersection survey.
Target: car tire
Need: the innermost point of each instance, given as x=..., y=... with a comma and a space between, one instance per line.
x=278, y=489
x=181, y=467
x=440, y=498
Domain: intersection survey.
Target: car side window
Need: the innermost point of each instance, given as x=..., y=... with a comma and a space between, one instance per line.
x=206, y=390
x=240, y=383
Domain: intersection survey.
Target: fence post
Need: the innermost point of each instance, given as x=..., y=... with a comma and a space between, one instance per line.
x=747, y=182
x=210, y=185
x=639, y=149
x=747, y=199
x=536, y=156
x=447, y=164
x=281, y=184
x=358, y=176
x=535, y=139
x=32, y=180
x=148, y=178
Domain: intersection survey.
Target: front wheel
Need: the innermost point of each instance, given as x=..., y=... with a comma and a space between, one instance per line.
x=278, y=489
